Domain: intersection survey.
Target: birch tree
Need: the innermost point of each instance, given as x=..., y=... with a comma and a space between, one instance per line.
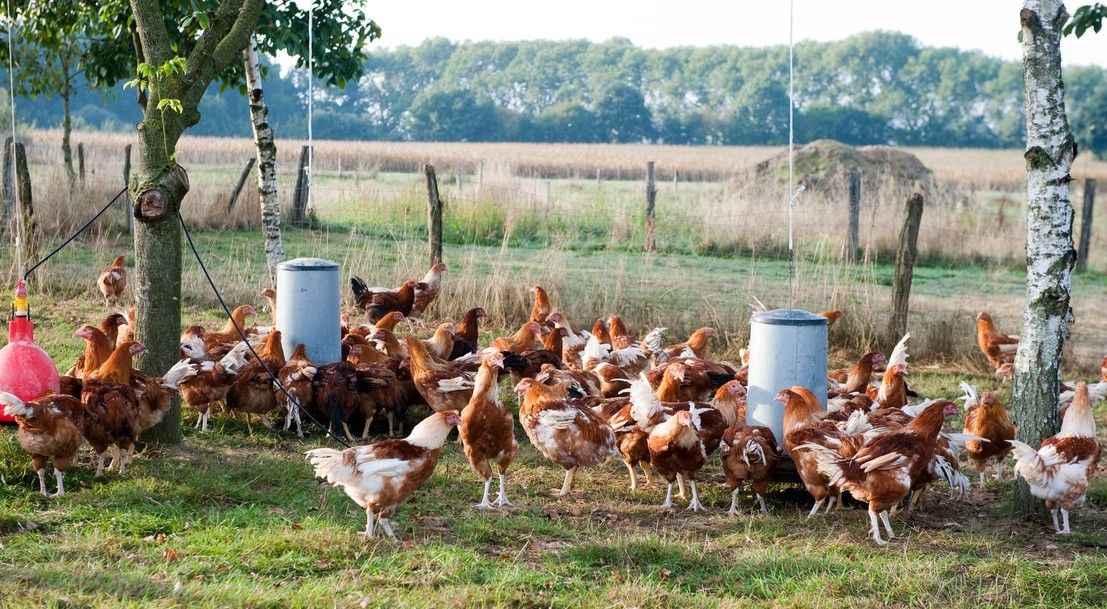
x=1050, y=255
x=267, y=162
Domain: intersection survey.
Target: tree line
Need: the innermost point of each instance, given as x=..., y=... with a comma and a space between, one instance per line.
x=872, y=88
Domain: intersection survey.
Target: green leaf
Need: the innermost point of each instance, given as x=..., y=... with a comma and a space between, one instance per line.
x=203, y=20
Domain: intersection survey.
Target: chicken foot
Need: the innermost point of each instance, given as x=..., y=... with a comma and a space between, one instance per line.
x=633, y=475
x=1065, y=518
x=695, y=504
x=875, y=530
x=734, y=502
x=501, y=499
x=61, y=486
x=484, y=504
x=815, y=508
x=369, y=522
x=668, y=505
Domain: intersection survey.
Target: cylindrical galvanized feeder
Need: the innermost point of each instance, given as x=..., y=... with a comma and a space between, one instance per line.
x=309, y=308
x=787, y=347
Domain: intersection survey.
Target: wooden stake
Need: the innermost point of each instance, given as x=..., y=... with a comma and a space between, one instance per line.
x=434, y=215
x=1086, y=226
x=651, y=196
x=241, y=183
x=127, y=209
x=300, y=195
x=854, y=215
x=26, y=204
x=905, y=268
x=81, y=161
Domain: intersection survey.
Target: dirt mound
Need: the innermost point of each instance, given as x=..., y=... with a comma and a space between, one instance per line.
x=825, y=163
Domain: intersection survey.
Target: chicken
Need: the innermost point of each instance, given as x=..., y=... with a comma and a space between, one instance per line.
x=487, y=430
x=209, y=382
x=379, y=390
x=569, y=435
x=701, y=378
x=750, y=456
x=1059, y=470
x=676, y=450
x=379, y=302
x=988, y=419
x=441, y=344
x=530, y=363
x=111, y=407
x=467, y=333
x=888, y=467
x=573, y=343
x=113, y=280
x=335, y=395
x=998, y=347
x=521, y=341
x=857, y=378
x=219, y=343
x=46, y=433
x=271, y=297
x=252, y=389
x=296, y=376
x=1103, y=370
x=892, y=392
x=629, y=361
x=697, y=342
x=381, y=475
x=541, y=309
x=804, y=426
x=426, y=291
x=127, y=331
x=620, y=337
x=586, y=382
x=155, y=395
x=832, y=316
x=97, y=350
x=444, y=385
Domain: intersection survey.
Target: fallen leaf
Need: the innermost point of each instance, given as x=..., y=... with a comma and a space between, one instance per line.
x=278, y=511
x=170, y=555
x=322, y=563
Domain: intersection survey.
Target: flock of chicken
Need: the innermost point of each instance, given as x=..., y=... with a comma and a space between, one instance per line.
x=584, y=397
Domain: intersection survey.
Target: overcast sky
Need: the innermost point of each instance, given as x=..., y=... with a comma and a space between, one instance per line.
x=988, y=25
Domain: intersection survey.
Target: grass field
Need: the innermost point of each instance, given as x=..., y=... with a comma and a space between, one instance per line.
x=234, y=519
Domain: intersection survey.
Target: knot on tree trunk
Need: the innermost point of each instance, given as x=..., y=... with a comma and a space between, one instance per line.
x=163, y=196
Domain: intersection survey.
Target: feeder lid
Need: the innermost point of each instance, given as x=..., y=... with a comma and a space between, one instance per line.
x=789, y=317
x=308, y=264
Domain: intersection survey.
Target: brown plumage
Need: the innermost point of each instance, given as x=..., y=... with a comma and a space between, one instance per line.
x=381, y=475
x=228, y=336
x=892, y=392
x=620, y=337
x=541, y=308
x=426, y=291
x=208, y=384
x=701, y=378
x=379, y=390
x=998, y=347
x=111, y=406
x=97, y=350
x=467, y=333
x=551, y=375
x=444, y=385
x=335, y=395
x=567, y=434
x=677, y=451
x=697, y=342
x=750, y=457
x=832, y=316
x=487, y=430
x=889, y=466
x=296, y=375
x=856, y=378
x=252, y=389
x=441, y=344
x=46, y=433
x=1059, y=470
x=521, y=341
x=379, y=303
x=112, y=281
x=989, y=420
x=127, y=331
x=804, y=425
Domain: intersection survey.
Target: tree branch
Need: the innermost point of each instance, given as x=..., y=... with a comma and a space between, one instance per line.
x=154, y=38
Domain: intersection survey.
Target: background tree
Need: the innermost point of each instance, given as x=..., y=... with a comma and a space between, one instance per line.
x=1050, y=255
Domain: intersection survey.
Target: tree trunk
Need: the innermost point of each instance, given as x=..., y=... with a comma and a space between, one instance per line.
x=267, y=163
x=67, y=124
x=160, y=183
x=1050, y=149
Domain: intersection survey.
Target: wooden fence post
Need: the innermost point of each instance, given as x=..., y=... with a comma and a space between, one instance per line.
x=127, y=184
x=905, y=267
x=434, y=215
x=26, y=204
x=1086, y=226
x=300, y=195
x=241, y=183
x=9, y=180
x=81, y=161
x=651, y=197
x=854, y=215
x=480, y=179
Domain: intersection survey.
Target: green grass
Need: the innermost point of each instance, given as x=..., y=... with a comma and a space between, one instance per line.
x=232, y=520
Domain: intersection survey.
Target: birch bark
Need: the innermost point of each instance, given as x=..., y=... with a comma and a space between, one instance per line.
x=267, y=163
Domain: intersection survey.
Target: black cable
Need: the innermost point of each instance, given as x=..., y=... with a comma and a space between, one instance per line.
x=74, y=235
x=242, y=334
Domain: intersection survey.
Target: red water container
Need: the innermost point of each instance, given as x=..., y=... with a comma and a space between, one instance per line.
x=26, y=371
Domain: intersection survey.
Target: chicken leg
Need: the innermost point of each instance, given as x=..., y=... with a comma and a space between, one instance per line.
x=668, y=505
x=815, y=508
x=61, y=486
x=368, y=532
x=42, y=484
x=568, y=485
x=1065, y=519
x=484, y=504
x=761, y=499
x=875, y=530
x=387, y=527
x=633, y=475
x=734, y=503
